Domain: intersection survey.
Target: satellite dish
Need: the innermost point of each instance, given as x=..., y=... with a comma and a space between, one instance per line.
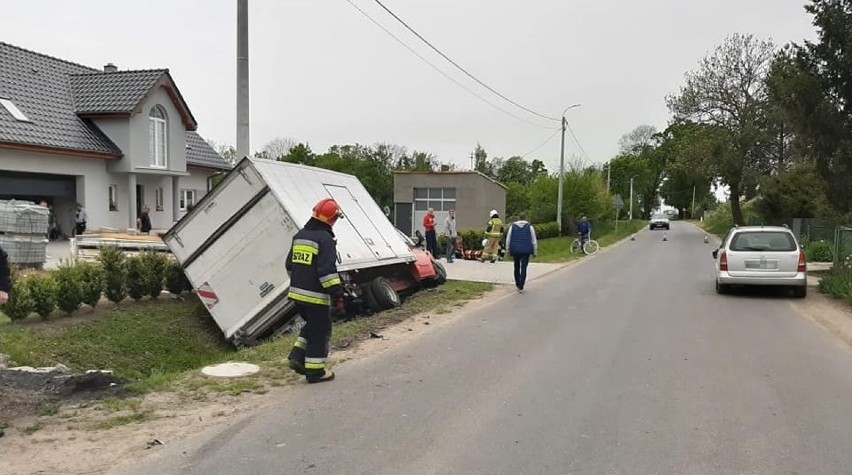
x=387, y=211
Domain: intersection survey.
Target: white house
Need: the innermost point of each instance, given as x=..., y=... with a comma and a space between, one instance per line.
x=111, y=140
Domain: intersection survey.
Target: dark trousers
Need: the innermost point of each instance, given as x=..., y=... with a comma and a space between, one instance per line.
x=521, y=263
x=80, y=228
x=311, y=347
x=451, y=248
x=432, y=242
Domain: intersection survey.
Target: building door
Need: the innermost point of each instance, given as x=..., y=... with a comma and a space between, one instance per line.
x=402, y=218
x=140, y=199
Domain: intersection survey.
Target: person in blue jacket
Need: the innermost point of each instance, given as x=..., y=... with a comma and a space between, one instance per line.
x=584, y=229
x=521, y=243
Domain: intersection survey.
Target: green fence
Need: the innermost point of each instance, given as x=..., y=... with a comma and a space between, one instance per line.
x=843, y=249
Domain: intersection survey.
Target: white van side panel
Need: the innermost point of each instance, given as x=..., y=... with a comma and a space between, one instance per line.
x=245, y=268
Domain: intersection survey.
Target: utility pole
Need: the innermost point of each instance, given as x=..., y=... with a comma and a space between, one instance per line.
x=631, y=198
x=562, y=169
x=692, y=216
x=608, y=173
x=561, y=179
x=472, y=167
x=243, y=137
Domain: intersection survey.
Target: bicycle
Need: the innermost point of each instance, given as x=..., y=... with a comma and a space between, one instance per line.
x=590, y=248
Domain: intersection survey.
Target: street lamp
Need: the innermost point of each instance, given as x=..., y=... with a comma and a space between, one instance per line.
x=562, y=168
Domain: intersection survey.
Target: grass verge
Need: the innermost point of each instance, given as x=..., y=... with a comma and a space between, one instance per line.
x=155, y=343
x=837, y=284
x=554, y=250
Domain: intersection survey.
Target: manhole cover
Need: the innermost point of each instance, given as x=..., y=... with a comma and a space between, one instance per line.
x=230, y=370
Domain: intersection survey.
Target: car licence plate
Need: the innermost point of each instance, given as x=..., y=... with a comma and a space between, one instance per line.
x=761, y=264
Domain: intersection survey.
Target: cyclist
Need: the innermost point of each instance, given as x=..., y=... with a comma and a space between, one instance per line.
x=584, y=229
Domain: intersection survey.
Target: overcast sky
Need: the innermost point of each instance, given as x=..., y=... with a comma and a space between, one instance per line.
x=324, y=74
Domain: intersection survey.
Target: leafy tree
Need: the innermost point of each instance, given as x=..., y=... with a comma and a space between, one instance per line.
x=729, y=91
x=637, y=140
x=799, y=192
x=481, y=163
x=517, y=170
x=811, y=84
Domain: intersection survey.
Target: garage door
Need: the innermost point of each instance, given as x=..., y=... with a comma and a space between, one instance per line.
x=31, y=184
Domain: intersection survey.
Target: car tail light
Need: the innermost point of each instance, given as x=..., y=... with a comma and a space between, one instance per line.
x=803, y=263
x=723, y=261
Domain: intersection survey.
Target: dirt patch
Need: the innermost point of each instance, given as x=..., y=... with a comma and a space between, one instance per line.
x=25, y=394
x=833, y=315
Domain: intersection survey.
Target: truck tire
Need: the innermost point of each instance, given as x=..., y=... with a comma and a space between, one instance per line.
x=440, y=274
x=381, y=295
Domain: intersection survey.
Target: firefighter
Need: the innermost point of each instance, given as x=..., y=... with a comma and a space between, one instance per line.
x=493, y=234
x=315, y=287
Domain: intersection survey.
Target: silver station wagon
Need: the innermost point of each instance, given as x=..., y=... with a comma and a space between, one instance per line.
x=761, y=255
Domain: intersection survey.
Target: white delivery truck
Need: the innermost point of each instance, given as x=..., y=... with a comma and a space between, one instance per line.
x=233, y=245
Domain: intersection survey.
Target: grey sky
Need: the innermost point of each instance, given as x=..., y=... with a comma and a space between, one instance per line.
x=322, y=73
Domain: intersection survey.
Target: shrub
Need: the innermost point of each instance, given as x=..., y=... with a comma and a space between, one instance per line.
x=153, y=272
x=136, y=277
x=546, y=230
x=819, y=251
x=114, y=264
x=838, y=285
x=20, y=304
x=43, y=290
x=472, y=238
x=68, y=292
x=175, y=278
x=91, y=283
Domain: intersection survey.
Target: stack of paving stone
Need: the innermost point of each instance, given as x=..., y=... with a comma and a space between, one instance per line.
x=23, y=232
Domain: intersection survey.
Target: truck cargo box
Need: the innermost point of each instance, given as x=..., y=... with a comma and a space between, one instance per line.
x=233, y=244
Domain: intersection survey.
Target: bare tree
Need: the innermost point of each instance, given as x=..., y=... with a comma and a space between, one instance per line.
x=637, y=139
x=278, y=147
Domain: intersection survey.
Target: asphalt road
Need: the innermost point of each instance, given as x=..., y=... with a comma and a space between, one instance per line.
x=628, y=363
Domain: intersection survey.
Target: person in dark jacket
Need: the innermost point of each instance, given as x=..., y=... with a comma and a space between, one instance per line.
x=314, y=287
x=143, y=223
x=584, y=229
x=522, y=244
x=5, y=277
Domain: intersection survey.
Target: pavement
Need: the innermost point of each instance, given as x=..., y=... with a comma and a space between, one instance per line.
x=628, y=363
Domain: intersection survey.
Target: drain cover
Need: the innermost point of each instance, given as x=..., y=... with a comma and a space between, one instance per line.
x=230, y=370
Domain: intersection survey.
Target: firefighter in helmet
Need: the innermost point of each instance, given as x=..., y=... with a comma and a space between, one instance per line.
x=493, y=235
x=315, y=288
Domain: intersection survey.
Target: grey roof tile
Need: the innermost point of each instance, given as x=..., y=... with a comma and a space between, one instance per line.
x=200, y=154
x=114, y=92
x=39, y=86
x=51, y=92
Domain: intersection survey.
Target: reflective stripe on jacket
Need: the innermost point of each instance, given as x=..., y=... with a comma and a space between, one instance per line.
x=312, y=262
x=495, y=228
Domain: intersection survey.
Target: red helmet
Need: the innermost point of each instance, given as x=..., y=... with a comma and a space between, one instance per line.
x=327, y=211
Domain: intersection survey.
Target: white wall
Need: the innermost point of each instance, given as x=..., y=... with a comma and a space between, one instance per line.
x=137, y=155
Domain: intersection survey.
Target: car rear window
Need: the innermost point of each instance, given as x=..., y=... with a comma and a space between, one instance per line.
x=763, y=241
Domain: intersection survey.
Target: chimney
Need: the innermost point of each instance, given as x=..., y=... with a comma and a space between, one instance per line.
x=110, y=68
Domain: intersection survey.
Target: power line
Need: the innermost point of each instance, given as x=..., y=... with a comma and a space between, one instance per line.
x=542, y=144
x=461, y=68
x=436, y=68
x=578, y=142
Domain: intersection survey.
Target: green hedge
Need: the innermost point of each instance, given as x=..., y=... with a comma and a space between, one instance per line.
x=76, y=283
x=820, y=251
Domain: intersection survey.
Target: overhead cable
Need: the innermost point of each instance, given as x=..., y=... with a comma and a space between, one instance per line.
x=439, y=70
x=459, y=67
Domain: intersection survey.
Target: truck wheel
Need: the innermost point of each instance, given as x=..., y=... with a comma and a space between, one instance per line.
x=441, y=274
x=381, y=295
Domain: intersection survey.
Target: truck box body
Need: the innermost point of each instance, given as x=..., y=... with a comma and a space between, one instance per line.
x=233, y=244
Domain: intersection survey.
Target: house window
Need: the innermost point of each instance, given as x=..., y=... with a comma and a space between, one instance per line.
x=158, y=199
x=441, y=199
x=113, y=197
x=187, y=199
x=158, y=137
x=13, y=109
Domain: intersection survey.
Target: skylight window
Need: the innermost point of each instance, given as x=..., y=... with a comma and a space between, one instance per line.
x=13, y=109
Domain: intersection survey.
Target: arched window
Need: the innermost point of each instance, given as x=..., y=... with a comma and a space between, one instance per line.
x=158, y=137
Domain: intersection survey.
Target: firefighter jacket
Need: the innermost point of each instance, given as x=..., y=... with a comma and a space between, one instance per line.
x=495, y=228
x=312, y=264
